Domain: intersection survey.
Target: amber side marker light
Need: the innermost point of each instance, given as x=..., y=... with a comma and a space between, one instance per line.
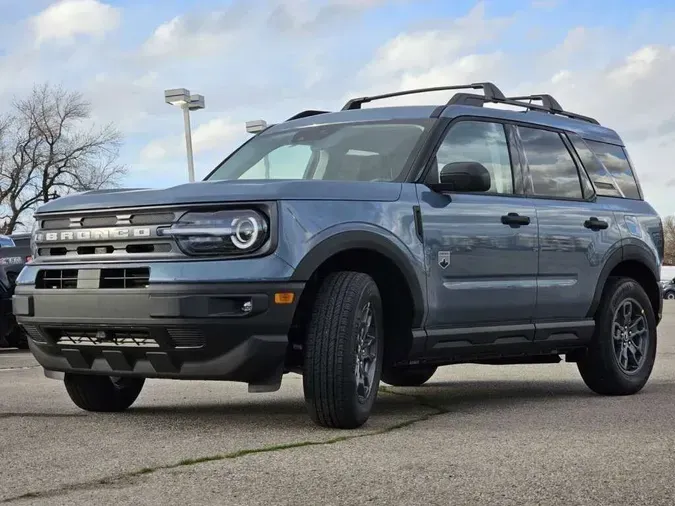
x=284, y=298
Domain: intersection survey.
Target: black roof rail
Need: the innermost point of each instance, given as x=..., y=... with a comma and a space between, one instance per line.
x=492, y=93
x=548, y=104
x=305, y=114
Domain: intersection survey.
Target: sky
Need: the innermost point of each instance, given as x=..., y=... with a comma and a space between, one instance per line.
x=269, y=59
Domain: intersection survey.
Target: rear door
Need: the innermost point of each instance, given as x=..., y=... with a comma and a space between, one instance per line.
x=481, y=248
x=575, y=232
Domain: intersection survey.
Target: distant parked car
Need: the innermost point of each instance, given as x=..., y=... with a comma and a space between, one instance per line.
x=14, y=253
x=669, y=289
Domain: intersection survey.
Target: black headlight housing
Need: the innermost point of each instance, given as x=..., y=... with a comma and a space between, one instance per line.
x=222, y=232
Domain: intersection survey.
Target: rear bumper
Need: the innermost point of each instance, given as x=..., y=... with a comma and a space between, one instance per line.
x=197, y=331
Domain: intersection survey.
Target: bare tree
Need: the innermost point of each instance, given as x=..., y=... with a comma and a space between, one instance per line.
x=669, y=240
x=48, y=148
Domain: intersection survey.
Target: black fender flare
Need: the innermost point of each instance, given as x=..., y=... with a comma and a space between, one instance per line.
x=625, y=252
x=362, y=239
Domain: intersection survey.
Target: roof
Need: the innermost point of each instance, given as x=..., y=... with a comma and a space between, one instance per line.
x=549, y=113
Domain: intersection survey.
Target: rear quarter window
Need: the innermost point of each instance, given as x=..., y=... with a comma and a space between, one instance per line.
x=615, y=161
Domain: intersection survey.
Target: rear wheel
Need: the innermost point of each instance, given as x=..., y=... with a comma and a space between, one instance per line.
x=102, y=393
x=407, y=376
x=670, y=295
x=622, y=353
x=343, y=351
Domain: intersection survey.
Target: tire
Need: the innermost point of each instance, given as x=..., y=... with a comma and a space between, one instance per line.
x=102, y=393
x=330, y=376
x=17, y=338
x=408, y=376
x=599, y=367
x=670, y=295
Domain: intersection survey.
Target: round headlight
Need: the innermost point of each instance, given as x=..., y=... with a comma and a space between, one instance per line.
x=236, y=232
x=246, y=232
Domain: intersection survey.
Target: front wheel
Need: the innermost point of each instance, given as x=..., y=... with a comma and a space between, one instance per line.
x=343, y=351
x=670, y=295
x=622, y=352
x=102, y=393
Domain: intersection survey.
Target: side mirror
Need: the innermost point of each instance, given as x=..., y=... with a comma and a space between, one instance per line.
x=464, y=177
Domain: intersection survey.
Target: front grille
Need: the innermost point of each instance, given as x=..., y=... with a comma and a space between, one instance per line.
x=186, y=337
x=108, y=220
x=58, y=279
x=137, y=277
x=116, y=337
x=106, y=236
x=118, y=278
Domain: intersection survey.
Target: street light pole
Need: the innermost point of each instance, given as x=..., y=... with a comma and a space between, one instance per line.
x=182, y=98
x=188, y=142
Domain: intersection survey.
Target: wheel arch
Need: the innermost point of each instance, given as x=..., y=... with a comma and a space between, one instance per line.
x=361, y=240
x=636, y=262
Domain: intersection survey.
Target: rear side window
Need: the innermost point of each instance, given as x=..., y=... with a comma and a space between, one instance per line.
x=553, y=172
x=602, y=180
x=616, y=162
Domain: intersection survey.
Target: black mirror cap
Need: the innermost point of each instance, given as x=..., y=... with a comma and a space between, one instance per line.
x=464, y=177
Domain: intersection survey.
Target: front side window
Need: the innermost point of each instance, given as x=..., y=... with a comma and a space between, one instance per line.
x=553, y=172
x=371, y=151
x=482, y=142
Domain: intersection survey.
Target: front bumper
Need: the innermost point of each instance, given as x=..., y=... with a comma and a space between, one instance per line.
x=182, y=331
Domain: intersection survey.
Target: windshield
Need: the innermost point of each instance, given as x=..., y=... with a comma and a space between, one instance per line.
x=6, y=242
x=342, y=152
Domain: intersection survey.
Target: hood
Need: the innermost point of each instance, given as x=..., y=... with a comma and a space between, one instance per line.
x=204, y=192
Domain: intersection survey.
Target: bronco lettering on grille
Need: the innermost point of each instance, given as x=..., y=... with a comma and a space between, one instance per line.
x=94, y=234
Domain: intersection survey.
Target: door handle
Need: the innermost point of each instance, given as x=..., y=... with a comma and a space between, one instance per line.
x=514, y=219
x=595, y=224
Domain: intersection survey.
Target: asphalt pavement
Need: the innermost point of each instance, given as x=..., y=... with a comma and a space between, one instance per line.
x=512, y=435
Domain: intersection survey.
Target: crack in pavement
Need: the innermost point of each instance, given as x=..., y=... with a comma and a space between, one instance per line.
x=133, y=476
x=18, y=368
x=41, y=415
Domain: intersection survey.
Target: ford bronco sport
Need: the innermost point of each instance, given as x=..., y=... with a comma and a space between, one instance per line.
x=354, y=247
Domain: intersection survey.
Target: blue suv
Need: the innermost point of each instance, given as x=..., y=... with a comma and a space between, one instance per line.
x=354, y=247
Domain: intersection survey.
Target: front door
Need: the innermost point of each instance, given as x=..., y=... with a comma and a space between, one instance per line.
x=481, y=248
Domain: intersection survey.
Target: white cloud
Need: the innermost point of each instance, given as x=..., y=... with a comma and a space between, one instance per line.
x=68, y=18
x=421, y=50
x=217, y=134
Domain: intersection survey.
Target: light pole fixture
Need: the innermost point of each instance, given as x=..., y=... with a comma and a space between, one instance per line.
x=181, y=97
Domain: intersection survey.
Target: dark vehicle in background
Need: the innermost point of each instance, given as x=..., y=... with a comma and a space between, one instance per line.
x=14, y=253
x=669, y=289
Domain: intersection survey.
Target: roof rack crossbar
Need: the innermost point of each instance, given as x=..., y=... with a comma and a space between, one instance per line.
x=490, y=90
x=305, y=114
x=546, y=101
x=553, y=106
x=479, y=100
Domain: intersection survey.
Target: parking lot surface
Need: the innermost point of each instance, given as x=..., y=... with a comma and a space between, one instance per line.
x=515, y=435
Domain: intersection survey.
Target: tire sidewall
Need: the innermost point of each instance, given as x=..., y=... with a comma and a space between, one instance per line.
x=370, y=294
x=623, y=290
